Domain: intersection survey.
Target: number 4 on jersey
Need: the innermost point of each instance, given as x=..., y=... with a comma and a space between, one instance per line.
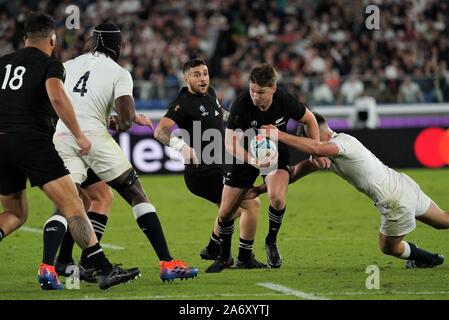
x=82, y=82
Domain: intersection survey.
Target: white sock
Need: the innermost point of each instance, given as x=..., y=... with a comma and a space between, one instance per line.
x=406, y=252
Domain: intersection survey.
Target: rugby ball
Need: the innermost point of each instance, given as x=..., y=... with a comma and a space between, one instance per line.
x=262, y=148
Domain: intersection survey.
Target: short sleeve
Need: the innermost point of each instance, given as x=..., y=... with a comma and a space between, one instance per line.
x=343, y=144
x=55, y=70
x=123, y=85
x=237, y=118
x=176, y=112
x=295, y=108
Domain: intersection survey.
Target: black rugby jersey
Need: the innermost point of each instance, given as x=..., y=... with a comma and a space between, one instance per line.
x=24, y=103
x=245, y=115
x=197, y=114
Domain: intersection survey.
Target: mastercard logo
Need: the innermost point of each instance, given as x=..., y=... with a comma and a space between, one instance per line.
x=432, y=147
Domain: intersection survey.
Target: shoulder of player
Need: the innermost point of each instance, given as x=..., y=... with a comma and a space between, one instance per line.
x=282, y=94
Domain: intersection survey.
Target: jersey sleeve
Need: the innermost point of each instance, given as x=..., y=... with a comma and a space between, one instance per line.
x=123, y=85
x=295, y=108
x=176, y=112
x=343, y=144
x=237, y=118
x=55, y=70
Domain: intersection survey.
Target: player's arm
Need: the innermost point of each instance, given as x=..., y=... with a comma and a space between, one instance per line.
x=163, y=130
x=233, y=147
x=308, y=145
x=312, y=125
x=64, y=109
x=126, y=112
x=163, y=134
x=123, y=101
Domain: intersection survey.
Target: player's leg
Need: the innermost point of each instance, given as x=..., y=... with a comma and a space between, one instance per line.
x=12, y=189
x=15, y=212
x=417, y=257
x=207, y=184
x=230, y=202
x=130, y=188
x=435, y=217
x=64, y=195
x=99, y=196
x=249, y=219
x=59, y=186
x=97, y=200
x=277, y=185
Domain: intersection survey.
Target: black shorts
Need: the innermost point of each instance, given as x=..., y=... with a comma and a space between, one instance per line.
x=205, y=183
x=244, y=175
x=31, y=156
x=91, y=179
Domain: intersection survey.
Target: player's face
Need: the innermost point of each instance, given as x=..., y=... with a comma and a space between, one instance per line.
x=197, y=79
x=262, y=97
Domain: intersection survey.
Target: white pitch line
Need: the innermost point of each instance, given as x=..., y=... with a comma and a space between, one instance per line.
x=104, y=245
x=290, y=292
x=224, y=295
x=385, y=293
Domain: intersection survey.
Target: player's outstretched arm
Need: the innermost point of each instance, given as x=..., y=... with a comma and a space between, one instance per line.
x=64, y=109
x=126, y=112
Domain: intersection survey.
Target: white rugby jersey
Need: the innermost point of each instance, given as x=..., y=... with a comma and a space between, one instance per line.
x=93, y=81
x=357, y=165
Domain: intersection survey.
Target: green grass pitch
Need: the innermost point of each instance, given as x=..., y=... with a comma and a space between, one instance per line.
x=328, y=238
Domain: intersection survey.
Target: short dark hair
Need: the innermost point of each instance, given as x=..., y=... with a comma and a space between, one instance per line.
x=193, y=63
x=319, y=118
x=39, y=25
x=263, y=75
x=107, y=39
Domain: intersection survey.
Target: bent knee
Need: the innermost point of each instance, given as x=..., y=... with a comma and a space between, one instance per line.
x=277, y=202
x=391, y=250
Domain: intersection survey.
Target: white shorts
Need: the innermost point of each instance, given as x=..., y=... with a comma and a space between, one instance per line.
x=105, y=158
x=398, y=215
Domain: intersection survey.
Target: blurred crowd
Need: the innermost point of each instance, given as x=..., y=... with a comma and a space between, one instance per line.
x=322, y=49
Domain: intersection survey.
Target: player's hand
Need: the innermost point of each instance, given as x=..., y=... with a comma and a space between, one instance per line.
x=83, y=143
x=143, y=120
x=320, y=162
x=113, y=122
x=189, y=155
x=266, y=162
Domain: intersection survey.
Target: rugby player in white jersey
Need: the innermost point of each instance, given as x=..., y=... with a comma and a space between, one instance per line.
x=98, y=85
x=397, y=197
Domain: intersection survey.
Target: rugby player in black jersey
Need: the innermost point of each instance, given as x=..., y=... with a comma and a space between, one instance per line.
x=198, y=112
x=264, y=103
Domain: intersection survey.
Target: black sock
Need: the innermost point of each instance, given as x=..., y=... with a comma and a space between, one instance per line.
x=2, y=234
x=420, y=255
x=54, y=231
x=214, y=243
x=97, y=259
x=99, y=224
x=225, y=230
x=275, y=217
x=150, y=225
x=245, y=249
x=65, y=251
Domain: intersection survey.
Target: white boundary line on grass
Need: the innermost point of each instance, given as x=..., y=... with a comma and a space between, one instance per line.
x=104, y=245
x=291, y=292
x=218, y=295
